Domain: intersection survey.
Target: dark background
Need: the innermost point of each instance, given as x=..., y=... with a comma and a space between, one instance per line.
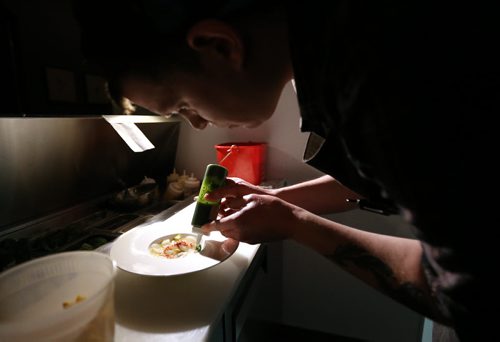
x=36, y=39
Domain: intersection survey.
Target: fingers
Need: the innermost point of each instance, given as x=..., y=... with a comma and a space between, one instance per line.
x=226, y=223
x=209, y=227
x=233, y=187
x=229, y=224
x=220, y=225
x=233, y=202
x=246, y=219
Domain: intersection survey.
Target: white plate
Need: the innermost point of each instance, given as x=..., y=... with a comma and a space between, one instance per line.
x=131, y=250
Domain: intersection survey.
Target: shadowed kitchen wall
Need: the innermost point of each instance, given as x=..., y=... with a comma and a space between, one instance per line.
x=48, y=164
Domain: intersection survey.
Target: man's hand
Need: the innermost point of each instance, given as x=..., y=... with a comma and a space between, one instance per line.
x=256, y=218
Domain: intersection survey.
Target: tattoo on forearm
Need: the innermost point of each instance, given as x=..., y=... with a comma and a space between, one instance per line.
x=349, y=256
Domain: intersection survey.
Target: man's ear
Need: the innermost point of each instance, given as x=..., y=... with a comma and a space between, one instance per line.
x=216, y=39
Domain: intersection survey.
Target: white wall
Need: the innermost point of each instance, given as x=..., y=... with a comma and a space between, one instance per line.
x=313, y=293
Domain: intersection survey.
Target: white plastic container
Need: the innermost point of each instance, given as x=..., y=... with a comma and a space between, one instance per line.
x=173, y=177
x=33, y=294
x=175, y=191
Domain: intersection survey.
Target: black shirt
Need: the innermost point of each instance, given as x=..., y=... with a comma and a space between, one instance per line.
x=400, y=97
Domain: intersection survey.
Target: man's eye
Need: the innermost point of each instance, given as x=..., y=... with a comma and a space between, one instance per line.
x=188, y=111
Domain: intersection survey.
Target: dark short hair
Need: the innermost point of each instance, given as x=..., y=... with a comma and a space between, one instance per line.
x=146, y=37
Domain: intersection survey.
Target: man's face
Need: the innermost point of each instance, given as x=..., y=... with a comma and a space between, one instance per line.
x=202, y=100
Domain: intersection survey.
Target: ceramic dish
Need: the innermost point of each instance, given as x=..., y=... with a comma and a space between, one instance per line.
x=131, y=251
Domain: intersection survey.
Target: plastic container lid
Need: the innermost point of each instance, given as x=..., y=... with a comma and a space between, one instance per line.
x=192, y=180
x=173, y=177
x=32, y=297
x=183, y=177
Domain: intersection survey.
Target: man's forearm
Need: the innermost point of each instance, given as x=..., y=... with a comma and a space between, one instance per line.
x=389, y=264
x=320, y=196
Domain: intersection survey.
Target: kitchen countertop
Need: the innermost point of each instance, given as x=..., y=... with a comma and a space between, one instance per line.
x=178, y=308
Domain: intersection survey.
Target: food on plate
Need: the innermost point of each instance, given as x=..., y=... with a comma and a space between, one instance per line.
x=175, y=247
x=78, y=299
